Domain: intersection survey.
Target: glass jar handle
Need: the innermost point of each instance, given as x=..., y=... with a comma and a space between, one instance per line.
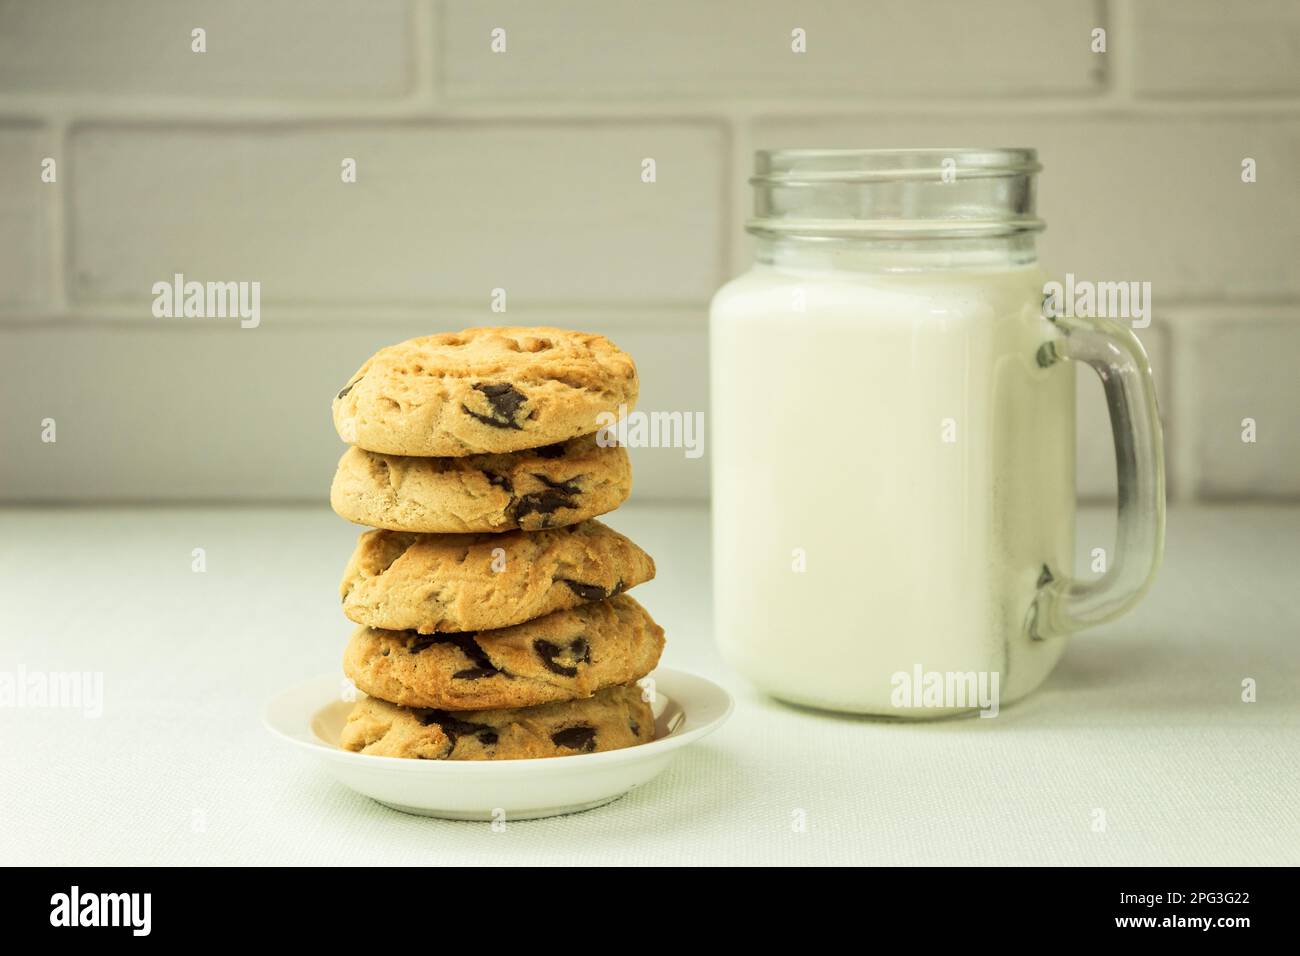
x=1063, y=605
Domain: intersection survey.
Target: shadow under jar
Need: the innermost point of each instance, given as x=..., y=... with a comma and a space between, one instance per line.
x=894, y=433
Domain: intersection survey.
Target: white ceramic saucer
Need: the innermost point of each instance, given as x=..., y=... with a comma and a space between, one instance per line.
x=311, y=716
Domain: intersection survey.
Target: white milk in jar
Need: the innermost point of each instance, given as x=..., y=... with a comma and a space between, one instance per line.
x=893, y=440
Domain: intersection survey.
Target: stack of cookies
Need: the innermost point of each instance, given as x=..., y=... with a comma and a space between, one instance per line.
x=492, y=622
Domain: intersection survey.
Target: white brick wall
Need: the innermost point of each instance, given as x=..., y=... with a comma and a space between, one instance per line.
x=596, y=50
x=1211, y=48
x=440, y=213
x=25, y=245
x=522, y=171
x=255, y=48
x=1244, y=363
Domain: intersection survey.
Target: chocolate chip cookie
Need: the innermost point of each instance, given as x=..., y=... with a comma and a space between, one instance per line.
x=614, y=718
x=488, y=390
x=539, y=488
x=561, y=656
x=402, y=580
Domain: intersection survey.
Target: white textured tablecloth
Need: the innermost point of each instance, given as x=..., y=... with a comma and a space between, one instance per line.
x=1143, y=719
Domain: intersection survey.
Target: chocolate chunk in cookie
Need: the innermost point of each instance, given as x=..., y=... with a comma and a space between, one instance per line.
x=505, y=402
x=576, y=738
x=564, y=659
x=588, y=592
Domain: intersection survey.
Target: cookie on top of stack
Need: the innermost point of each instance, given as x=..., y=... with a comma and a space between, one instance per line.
x=492, y=622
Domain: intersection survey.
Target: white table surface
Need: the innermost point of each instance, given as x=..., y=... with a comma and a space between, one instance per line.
x=1142, y=719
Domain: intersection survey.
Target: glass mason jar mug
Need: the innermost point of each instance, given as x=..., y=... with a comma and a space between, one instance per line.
x=894, y=439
